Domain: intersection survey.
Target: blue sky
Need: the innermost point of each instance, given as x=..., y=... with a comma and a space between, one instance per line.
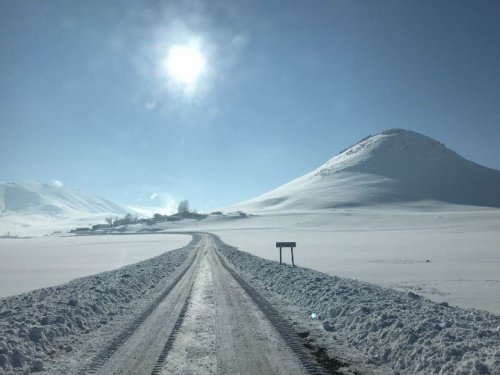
x=85, y=98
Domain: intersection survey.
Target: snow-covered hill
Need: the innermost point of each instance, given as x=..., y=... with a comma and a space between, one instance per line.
x=395, y=166
x=36, y=198
x=34, y=208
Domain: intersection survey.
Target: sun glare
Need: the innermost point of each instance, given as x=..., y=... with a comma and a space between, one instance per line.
x=185, y=64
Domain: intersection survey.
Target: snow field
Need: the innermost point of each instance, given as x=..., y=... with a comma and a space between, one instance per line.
x=43, y=329
x=28, y=264
x=389, y=247
x=405, y=331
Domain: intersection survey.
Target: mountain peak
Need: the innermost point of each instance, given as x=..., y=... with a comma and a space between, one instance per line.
x=388, y=149
x=394, y=166
x=399, y=131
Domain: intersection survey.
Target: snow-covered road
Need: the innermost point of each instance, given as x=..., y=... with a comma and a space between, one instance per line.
x=224, y=331
x=207, y=323
x=210, y=308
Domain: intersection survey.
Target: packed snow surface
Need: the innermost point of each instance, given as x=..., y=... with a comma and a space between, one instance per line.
x=27, y=264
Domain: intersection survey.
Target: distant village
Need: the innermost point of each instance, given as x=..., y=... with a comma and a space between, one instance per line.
x=183, y=212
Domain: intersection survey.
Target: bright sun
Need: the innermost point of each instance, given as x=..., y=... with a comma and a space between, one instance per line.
x=185, y=64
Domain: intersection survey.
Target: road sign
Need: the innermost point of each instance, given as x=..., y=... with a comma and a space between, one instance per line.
x=286, y=244
x=291, y=245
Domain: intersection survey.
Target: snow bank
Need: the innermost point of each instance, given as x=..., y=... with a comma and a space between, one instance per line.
x=405, y=331
x=36, y=328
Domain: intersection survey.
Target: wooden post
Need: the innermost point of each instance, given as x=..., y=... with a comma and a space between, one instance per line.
x=281, y=245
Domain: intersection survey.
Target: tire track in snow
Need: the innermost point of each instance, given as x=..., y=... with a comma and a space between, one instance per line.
x=103, y=356
x=171, y=338
x=278, y=322
x=155, y=363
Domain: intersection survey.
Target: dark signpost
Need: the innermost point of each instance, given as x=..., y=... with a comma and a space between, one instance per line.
x=291, y=245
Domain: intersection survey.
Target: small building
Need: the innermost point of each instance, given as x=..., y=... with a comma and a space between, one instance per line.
x=101, y=226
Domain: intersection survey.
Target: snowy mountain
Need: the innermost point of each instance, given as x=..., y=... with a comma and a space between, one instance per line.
x=53, y=201
x=395, y=166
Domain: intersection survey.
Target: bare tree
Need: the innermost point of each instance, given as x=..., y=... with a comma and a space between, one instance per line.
x=183, y=207
x=109, y=220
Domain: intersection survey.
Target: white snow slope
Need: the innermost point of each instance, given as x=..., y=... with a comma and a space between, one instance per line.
x=395, y=166
x=34, y=208
x=36, y=198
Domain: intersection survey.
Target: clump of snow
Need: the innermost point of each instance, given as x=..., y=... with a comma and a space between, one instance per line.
x=38, y=329
x=405, y=331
